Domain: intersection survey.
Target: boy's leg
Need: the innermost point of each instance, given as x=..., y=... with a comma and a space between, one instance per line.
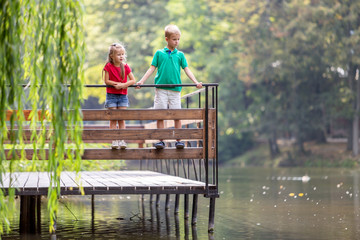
x=177, y=125
x=160, y=102
x=175, y=103
x=160, y=124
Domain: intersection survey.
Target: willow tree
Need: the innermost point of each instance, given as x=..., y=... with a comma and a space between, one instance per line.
x=42, y=49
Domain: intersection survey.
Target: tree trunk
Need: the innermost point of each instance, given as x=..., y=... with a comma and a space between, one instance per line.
x=273, y=146
x=349, y=135
x=356, y=116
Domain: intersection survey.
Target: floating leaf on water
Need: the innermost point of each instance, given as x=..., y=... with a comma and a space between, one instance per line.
x=301, y=194
x=291, y=194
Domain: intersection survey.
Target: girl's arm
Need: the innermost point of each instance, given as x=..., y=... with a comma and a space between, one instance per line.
x=130, y=81
x=107, y=81
x=192, y=77
x=146, y=76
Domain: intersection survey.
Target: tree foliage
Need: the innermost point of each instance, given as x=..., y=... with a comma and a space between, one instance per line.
x=42, y=48
x=285, y=68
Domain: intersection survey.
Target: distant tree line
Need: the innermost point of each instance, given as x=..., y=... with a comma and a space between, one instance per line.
x=286, y=68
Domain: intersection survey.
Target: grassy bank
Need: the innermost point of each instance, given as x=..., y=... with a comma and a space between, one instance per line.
x=317, y=155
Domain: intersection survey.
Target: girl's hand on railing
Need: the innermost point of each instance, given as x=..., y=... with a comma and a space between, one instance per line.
x=119, y=86
x=199, y=85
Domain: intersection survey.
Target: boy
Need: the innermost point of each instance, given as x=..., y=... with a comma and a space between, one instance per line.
x=168, y=62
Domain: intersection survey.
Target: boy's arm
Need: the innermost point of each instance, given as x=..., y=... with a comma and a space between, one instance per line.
x=192, y=77
x=146, y=76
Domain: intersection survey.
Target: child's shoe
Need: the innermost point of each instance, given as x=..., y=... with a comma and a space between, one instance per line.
x=122, y=144
x=179, y=145
x=160, y=145
x=115, y=144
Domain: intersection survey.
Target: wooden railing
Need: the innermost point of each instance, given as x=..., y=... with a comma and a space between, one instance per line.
x=199, y=132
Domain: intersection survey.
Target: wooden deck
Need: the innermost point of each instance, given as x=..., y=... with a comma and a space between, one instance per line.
x=189, y=171
x=103, y=182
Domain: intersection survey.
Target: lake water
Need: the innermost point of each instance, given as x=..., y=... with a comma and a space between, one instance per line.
x=254, y=203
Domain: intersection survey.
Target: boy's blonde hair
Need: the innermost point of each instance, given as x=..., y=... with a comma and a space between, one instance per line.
x=171, y=29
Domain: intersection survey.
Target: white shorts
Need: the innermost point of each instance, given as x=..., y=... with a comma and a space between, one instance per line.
x=167, y=99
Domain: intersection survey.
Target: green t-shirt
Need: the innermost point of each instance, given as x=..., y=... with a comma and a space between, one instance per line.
x=168, y=67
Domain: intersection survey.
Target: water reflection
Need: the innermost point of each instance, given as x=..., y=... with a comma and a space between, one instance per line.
x=254, y=204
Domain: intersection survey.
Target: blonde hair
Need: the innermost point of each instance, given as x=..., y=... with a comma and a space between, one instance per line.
x=171, y=29
x=113, y=48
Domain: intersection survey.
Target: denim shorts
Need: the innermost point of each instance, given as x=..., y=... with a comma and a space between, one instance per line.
x=116, y=100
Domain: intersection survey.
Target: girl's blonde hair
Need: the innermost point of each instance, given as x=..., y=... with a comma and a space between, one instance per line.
x=113, y=48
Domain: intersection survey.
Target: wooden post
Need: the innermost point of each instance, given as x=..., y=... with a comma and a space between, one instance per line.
x=143, y=207
x=211, y=215
x=167, y=218
x=177, y=226
x=177, y=202
x=24, y=206
x=157, y=200
x=38, y=213
x=186, y=228
x=151, y=199
x=186, y=205
x=194, y=209
x=93, y=213
x=194, y=232
x=167, y=202
x=28, y=213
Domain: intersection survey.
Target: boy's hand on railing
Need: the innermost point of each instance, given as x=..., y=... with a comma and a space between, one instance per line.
x=199, y=85
x=138, y=85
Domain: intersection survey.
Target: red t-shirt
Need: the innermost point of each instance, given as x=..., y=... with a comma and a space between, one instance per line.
x=114, y=75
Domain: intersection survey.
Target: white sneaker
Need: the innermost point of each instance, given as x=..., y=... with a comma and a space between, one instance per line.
x=122, y=144
x=115, y=144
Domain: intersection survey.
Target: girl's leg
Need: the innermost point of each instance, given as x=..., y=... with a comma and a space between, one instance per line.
x=115, y=143
x=121, y=123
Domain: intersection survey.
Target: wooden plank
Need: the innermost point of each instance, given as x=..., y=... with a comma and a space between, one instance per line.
x=32, y=181
x=26, y=113
x=212, y=134
x=126, y=114
x=69, y=183
x=77, y=179
x=20, y=179
x=43, y=180
x=142, y=114
x=91, y=179
x=142, y=134
x=117, y=180
x=108, y=182
x=102, y=178
x=171, y=123
x=132, y=153
x=144, y=153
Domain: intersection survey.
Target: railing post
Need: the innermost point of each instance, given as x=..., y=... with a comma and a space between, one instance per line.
x=216, y=138
x=206, y=126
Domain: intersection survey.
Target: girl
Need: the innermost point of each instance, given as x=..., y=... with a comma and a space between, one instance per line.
x=119, y=75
